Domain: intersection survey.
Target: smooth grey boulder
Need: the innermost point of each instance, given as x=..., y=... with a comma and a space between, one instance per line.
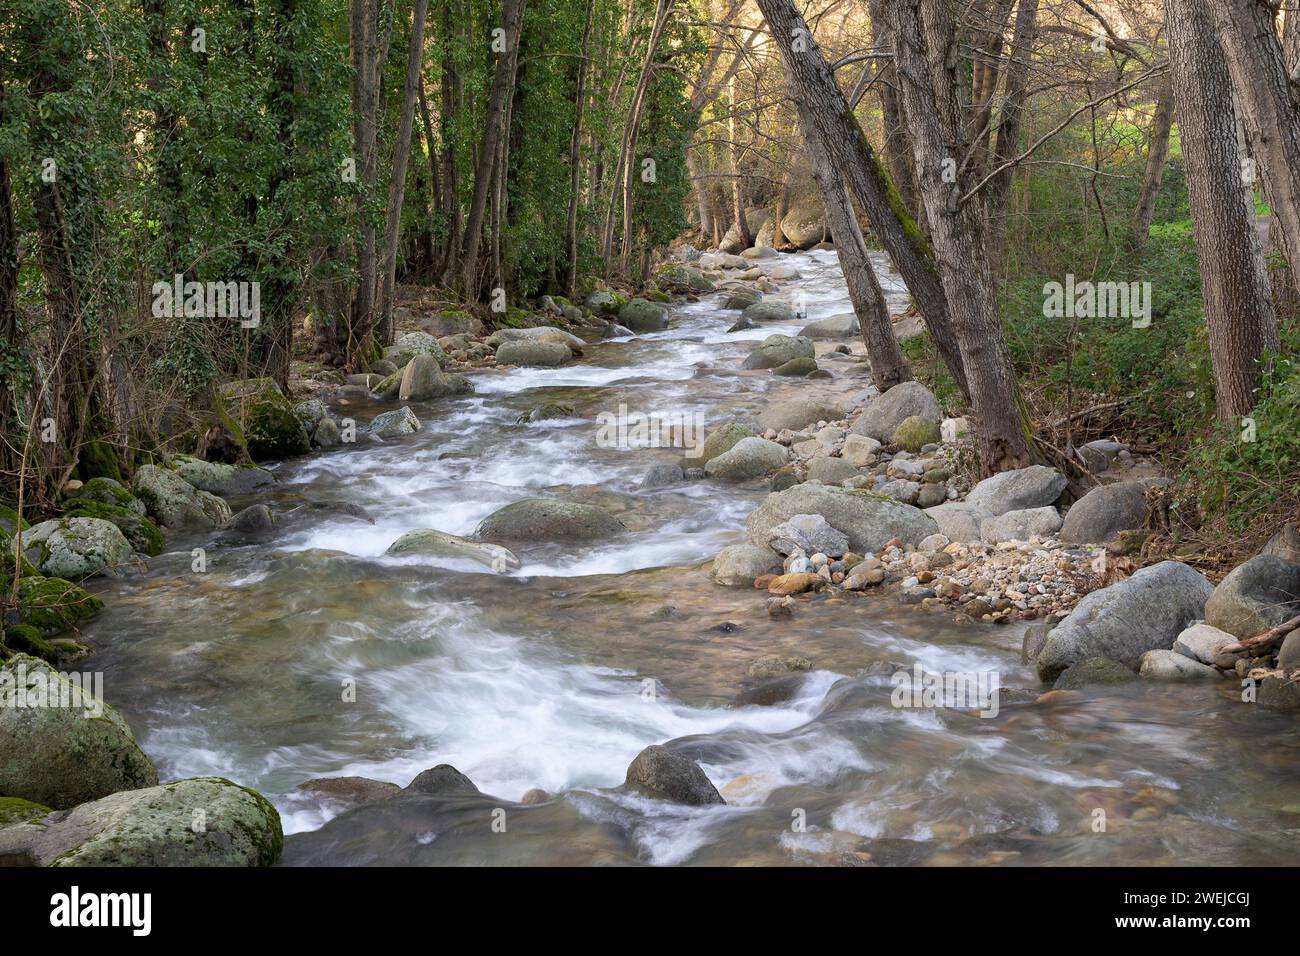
x=537, y=333
x=1020, y=525
x=748, y=458
x=777, y=350
x=1202, y=642
x=658, y=772
x=886, y=412
x=74, y=548
x=768, y=312
x=1161, y=664
x=831, y=471
x=737, y=565
x=433, y=543
x=839, y=326
x=797, y=413
x=538, y=353
x=641, y=315
x=423, y=380
x=1255, y=596
x=549, y=519
x=443, y=780
x=255, y=519
x=958, y=520
x=201, y=821
x=1105, y=511
x=1122, y=622
x=722, y=438
x=395, y=424
x=63, y=745
x=868, y=520
x=174, y=503
x=811, y=533
x=1034, y=487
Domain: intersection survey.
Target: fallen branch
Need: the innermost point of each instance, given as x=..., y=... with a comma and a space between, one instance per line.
x=1265, y=640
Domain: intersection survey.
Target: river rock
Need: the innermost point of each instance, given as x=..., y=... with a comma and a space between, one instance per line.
x=602, y=302
x=1257, y=595
x=1288, y=656
x=536, y=353
x=860, y=451
x=433, y=543
x=661, y=476
x=1105, y=511
x=255, y=519
x=422, y=379
x=839, y=326
x=1279, y=693
x=327, y=434
x=641, y=315
x=1285, y=544
x=664, y=775
x=1020, y=525
x=138, y=529
x=58, y=755
x=174, y=502
x=265, y=417
x=394, y=424
x=741, y=299
x=767, y=312
x=722, y=438
x=776, y=350
x=811, y=533
x=549, y=519
x=679, y=277
x=1201, y=642
x=804, y=223
x=443, y=780
x=223, y=479
x=1091, y=671
x=868, y=520
x=914, y=433
x=831, y=471
x=76, y=548
x=1034, y=487
x=796, y=413
x=104, y=491
x=349, y=792
x=737, y=565
x=800, y=368
x=411, y=344
x=202, y=821
x=1122, y=622
x=748, y=458
x=959, y=521
x=886, y=412
x=1161, y=664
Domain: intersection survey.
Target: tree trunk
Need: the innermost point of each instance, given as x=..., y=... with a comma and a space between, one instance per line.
x=512, y=14
x=575, y=159
x=1238, y=310
x=362, y=24
x=401, y=154
x=897, y=150
x=930, y=77
x=818, y=97
x=11, y=456
x=453, y=95
x=737, y=186
x=1157, y=155
x=1010, y=123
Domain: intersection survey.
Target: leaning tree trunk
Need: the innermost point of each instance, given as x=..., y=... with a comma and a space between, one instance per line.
x=1238, y=309
x=737, y=184
x=897, y=151
x=1010, y=123
x=575, y=159
x=1157, y=155
x=930, y=82
x=818, y=96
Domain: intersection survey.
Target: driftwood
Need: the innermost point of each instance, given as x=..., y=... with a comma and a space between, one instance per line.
x=1265, y=640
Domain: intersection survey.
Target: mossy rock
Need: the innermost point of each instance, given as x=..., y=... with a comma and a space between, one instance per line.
x=270, y=427
x=11, y=520
x=139, y=529
x=17, y=810
x=389, y=388
x=796, y=367
x=26, y=639
x=721, y=440
x=108, y=491
x=99, y=459
x=7, y=558
x=53, y=605
x=915, y=432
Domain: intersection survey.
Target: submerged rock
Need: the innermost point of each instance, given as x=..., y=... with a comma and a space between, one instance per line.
x=61, y=745
x=660, y=773
x=1091, y=671
x=549, y=519
x=443, y=780
x=738, y=565
x=428, y=541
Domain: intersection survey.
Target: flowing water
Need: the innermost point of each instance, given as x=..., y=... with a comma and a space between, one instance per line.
x=557, y=674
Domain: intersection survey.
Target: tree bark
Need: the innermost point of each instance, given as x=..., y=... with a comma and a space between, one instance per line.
x=575, y=158
x=1157, y=155
x=362, y=25
x=1010, y=122
x=1238, y=309
x=897, y=151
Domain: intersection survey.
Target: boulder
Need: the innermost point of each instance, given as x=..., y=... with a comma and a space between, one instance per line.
x=540, y=333
x=535, y=353
x=886, y=412
x=223, y=479
x=659, y=773
x=804, y=224
x=748, y=458
x=422, y=379
x=138, y=529
x=440, y=544
x=53, y=605
x=61, y=745
x=266, y=419
x=408, y=346
x=796, y=413
x=1099, y=455
x=860, y=451
x=842, y=326
x=1161, y=664
x=777, y=350
x=952, y=429
x=1202, y=642
x=831, y=471
x=1020, y=525
x=327, y=434
x=959, y=521
x=549, y=519
x=641, y=315
x=737, y=565
x=1092, y=671
x=394, y=424
x=755, y=219
x=174, y=502
x=1285, y=544
x=1105, y=511
x=721, y=439
x=798, y=367
x=1032, y=487
x=661, y=476
x=104, y=491
x=202, y=821
x=768, y=312
x=915, y=432
x=602, y=302
x=869, y=520
x=76, y=547
x=678, y=277
x=255, y=519
x=811, y=534
x=443, y=780
x=741, y=299
x=1288, y=655
x=1257, y=595
x=1122, y=622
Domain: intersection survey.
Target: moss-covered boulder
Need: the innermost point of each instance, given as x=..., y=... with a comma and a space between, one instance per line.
x=915, y=432
x=107, y=491
x=27, y=639
x=7, y=558
x=15, y=810
x=10, y=520
x=77, y=547
x=796, y=367
x=60, y=745
x=53, y=605
x=408, y=346
x=175, y=503
x=679, y=277
x=640, y=315
x=202, y=821
x=220, y=478
x=721, y=439
x=266, y=418
x=137, y=528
